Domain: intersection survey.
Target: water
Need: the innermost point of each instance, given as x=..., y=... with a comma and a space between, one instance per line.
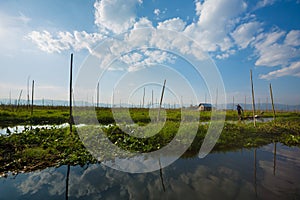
x=246, y=174
x=21, y=128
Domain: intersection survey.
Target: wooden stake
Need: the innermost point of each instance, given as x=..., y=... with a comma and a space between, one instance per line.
x=267, y=105
x=217, y=99
x=28, y=98
x=144, y=99
x=70, y=91
x=98, y=95
x=32, y=96
x=152, y=99
x=161, y=99
x=272, y=100
x=19, y=100
x=245, y=103
x=253, y=100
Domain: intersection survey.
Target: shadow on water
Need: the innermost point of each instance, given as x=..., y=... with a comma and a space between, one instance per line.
x=269, y=172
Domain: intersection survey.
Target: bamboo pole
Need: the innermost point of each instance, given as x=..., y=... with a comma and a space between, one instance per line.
x=217, y=99
x=70, y=91
x=267, y=105
x=19, y=100
x=161, y=99
x=245, y=103
x=152, y=99
x=144, y=98
x=32, y=96
x=253, y=99
x=98, y=95
x=28, y=98
x=272, y=100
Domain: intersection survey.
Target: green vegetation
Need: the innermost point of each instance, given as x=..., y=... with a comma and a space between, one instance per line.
x=60, y=114
x=40, y=148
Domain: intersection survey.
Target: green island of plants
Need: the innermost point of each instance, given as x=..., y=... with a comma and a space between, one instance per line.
x=40, y=148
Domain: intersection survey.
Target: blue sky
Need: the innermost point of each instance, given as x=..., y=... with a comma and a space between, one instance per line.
x=37, y=38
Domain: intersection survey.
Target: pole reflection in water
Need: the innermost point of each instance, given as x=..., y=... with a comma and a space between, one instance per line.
x=255, y=185
x=67, y=182
x=161, y=176
x=274, y=159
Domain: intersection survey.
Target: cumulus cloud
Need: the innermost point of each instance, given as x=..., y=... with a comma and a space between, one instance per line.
x=216, y=20
x=64, y=40
x=245, y=33
x=220, y=28
x=175, y=24
x=115, y=16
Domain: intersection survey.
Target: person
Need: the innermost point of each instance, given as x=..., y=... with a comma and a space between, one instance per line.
x=239, y=110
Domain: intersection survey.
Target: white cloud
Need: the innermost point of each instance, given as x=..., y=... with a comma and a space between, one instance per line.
x=217, y=19
x=272, y=51
x=115, y=15
x=64, y=40
x=292, y=70
x=293, y=38
x=156, y=11
x=175, y=24
x=245, y=33
x=264, y=3
x=221, y=28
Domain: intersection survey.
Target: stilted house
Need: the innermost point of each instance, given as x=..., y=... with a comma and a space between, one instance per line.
x=205, y=107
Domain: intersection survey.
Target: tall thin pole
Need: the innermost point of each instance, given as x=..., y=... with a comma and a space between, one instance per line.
x=28, y=98
x=253, y=101
x=144, y=98
x=217, y=98
x=70, y=103
x=32, y=96
x=161, y=99
x=98, y=95
x=272, y=100
x=245, y=103
x=267, y=104
x=19, y=100
x=152, y=99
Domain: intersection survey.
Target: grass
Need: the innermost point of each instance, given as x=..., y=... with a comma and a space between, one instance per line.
x=60, y=114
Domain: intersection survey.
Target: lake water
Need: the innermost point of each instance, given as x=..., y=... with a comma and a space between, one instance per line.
x=245, y=174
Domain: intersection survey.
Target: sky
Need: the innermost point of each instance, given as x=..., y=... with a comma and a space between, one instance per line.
x=152, y=40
